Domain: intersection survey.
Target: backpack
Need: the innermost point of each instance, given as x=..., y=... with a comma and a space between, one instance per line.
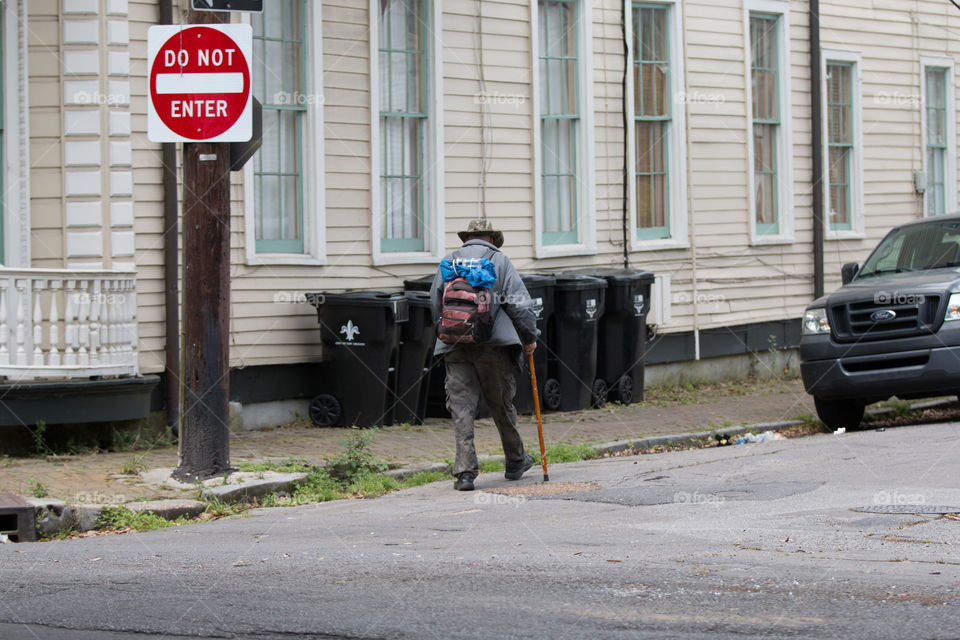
x=466, y=310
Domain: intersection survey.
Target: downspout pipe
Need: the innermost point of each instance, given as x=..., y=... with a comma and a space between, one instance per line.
x=171, y=297
x=816, y=145
x=626, y=143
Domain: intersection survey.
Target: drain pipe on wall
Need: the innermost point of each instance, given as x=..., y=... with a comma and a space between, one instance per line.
x=816, y=147
x=691, y=225
x=626, y=142
x=171, y=297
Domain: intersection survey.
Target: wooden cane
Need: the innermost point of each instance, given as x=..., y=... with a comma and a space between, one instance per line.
x=536, y=408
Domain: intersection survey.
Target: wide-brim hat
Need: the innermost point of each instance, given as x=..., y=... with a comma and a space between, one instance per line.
x=482, y=227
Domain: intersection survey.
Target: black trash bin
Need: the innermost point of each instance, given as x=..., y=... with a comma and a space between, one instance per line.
x=436, y=392
x=540, y=287
x=578, y=307
x=623, y=331
x=415, y=360
x=360, y=331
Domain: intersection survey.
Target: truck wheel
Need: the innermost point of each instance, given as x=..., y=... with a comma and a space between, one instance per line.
x=838, y=414
x=325, y=410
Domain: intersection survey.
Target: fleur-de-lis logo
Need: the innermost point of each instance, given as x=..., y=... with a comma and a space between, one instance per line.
x=350, y=330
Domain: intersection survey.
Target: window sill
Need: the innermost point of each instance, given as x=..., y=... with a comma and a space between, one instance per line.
x=657, y=245
x=258, y=259
x=845, y=234
x=406, y=257
x=562, y=250
x=756, y=240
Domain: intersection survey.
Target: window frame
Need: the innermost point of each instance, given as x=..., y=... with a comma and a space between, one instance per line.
x=14, y=145
x=313, y=196
x=784, y=139
x=677, y=211
x=855, y=61
x=432, y=154
x=585, y=242
x=950, y=204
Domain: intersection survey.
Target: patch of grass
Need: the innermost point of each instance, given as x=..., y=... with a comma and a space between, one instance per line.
x=290, y=465
x=133, y=466
x=491, y=466
x=121, y=518
x=37, y=489
x=318, y=486
x=897, y=409
x=423, y=477
x=216, y=508
x=372, y=485
x=357, y=460
x=563, y=452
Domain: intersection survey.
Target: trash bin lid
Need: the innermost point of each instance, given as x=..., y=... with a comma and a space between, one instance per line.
x=567, y=281
x=416, y=298
x=395, y=301
x=538, y=279
x=355, y=298
x=615, y=274
x=418, y=284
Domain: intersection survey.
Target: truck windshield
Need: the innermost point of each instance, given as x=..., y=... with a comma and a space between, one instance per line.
x=915, y=248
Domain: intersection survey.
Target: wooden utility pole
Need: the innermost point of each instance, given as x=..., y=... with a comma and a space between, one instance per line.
x=205, y=425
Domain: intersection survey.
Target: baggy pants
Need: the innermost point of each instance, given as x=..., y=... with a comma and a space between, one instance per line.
x=472, y=370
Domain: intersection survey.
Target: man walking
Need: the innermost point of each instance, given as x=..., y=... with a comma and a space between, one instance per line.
x=487, y=367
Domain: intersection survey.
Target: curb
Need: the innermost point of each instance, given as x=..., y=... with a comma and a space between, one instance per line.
x=54, y=515
x=620, y=446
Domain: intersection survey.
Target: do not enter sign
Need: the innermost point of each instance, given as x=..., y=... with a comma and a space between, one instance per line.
x=199, y=84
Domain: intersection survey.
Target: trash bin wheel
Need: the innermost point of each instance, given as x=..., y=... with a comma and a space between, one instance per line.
x=624, y=389
x=599, y=392
x=551, y=394
x=325, y=410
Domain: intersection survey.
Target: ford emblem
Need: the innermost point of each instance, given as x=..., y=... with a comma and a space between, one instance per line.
x=883, y=315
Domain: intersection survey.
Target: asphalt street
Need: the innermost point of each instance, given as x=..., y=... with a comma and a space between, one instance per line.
x=782, y=539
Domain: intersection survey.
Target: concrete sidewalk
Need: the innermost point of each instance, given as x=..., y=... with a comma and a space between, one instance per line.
x=99, y=478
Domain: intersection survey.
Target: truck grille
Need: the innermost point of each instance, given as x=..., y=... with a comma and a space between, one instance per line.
x=915, y=315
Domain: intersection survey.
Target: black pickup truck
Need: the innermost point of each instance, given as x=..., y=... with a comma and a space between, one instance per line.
x=892, y=329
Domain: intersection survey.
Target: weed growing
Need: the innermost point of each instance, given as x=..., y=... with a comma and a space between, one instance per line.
x=39, y=442
x=133, y=466
x=37, y=489
x=357, y=460
x=290, y=465
x=123, y=519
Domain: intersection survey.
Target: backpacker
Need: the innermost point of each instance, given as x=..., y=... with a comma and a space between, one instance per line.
x=466, y=313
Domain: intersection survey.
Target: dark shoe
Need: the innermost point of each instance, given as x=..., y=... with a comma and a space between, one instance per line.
x=464, y=481
x=515, y=470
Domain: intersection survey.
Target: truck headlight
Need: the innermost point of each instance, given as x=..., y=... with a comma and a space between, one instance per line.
x=815, y=321
x=953, y=308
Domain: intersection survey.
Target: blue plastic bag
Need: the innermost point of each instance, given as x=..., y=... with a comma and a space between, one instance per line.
x=480, y=273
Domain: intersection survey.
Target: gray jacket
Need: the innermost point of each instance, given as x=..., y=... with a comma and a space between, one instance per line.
x=514, y=322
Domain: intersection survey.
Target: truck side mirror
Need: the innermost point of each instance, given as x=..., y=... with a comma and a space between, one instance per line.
x=849, y=271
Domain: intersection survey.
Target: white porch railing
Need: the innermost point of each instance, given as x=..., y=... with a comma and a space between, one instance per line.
x=67, y=323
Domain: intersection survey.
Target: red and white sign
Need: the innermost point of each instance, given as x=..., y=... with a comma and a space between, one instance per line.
x=199, y=83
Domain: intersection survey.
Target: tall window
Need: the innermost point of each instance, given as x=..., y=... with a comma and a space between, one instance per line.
x=936, y=143
x=559, y=119
x=2, y=136
x=765, y=110
x=652, y=115
x=840, y=142
x=403, y=70
x=279, y=82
